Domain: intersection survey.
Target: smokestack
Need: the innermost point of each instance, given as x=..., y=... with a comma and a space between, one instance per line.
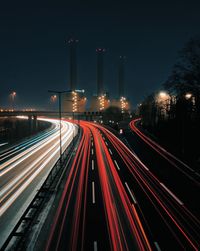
x=72, y=63
x=100, y=89
x=121, y=76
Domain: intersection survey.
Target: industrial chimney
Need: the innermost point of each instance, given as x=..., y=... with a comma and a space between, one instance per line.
x=121, y=76
x=72, y=63
x=100, y=89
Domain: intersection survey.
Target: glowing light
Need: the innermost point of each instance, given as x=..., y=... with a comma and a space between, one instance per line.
x=124, y=104
x=102, y=102
x=188, y=95
x=163, y=95
x=53, y=98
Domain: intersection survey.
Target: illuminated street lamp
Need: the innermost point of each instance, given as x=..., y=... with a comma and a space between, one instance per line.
x=12, y=96
x=163, y=95
x=59, y=94
x=188, y=95
x=53, y=98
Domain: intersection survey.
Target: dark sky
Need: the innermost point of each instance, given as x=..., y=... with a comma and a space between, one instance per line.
x=34, y=57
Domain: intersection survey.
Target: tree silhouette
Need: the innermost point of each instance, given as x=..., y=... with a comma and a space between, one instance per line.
x=185, y=76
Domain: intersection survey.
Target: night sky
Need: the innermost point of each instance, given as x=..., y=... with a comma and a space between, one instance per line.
x=34, y=56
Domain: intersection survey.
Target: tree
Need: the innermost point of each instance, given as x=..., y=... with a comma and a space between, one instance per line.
x=112, y=113
x=148, y=110
x=185, y=76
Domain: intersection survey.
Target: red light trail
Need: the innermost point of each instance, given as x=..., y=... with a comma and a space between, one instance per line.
x=127, y=224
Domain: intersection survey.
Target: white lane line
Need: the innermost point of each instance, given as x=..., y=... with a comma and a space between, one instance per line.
x=92, y=151
x=95, y=245
x=129, y=190
x=93, y=193
x=173, y=195
x=92, y=143
x=104, y=138
x=92, y=164
x=110, y=151
x=157, y=246
x=106, y=143
x=116, y=164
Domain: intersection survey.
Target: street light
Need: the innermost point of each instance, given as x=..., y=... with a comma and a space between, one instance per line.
x=163, y=95
x=53, y=98
x=59, y=94
x=13, y=95
x=188, y=95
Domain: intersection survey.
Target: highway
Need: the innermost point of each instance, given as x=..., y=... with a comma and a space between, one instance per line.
x=113, y=201
x=23, y=169
x=95, y=211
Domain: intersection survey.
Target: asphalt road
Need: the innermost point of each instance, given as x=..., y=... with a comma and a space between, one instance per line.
x=96, y=210
x=23, y=170
x=113, y=200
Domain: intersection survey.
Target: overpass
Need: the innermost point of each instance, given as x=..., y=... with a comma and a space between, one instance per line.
x=33, y=114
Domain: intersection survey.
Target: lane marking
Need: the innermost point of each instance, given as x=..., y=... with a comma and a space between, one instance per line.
x=106, y=143
x=172, y=194
x=92, y=164
x=116, y=164
x=157, y=246
x=93, y=193
x=110, y=151
x=95, y=245
x=92, y=143
x=92, y=151
x=129, y=190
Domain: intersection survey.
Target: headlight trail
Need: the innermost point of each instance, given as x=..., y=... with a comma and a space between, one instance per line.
x=25, y=168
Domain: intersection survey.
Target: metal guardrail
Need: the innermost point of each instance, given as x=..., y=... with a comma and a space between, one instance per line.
x=16, y=239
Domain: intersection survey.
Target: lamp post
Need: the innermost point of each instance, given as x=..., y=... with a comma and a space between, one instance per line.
x=59, y=94
x=12, y=96
x=74, y=101
x=188, y=97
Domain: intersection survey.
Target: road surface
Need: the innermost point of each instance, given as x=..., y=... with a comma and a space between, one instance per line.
x=96, y=211
x=113, y=201
x=24, y=168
